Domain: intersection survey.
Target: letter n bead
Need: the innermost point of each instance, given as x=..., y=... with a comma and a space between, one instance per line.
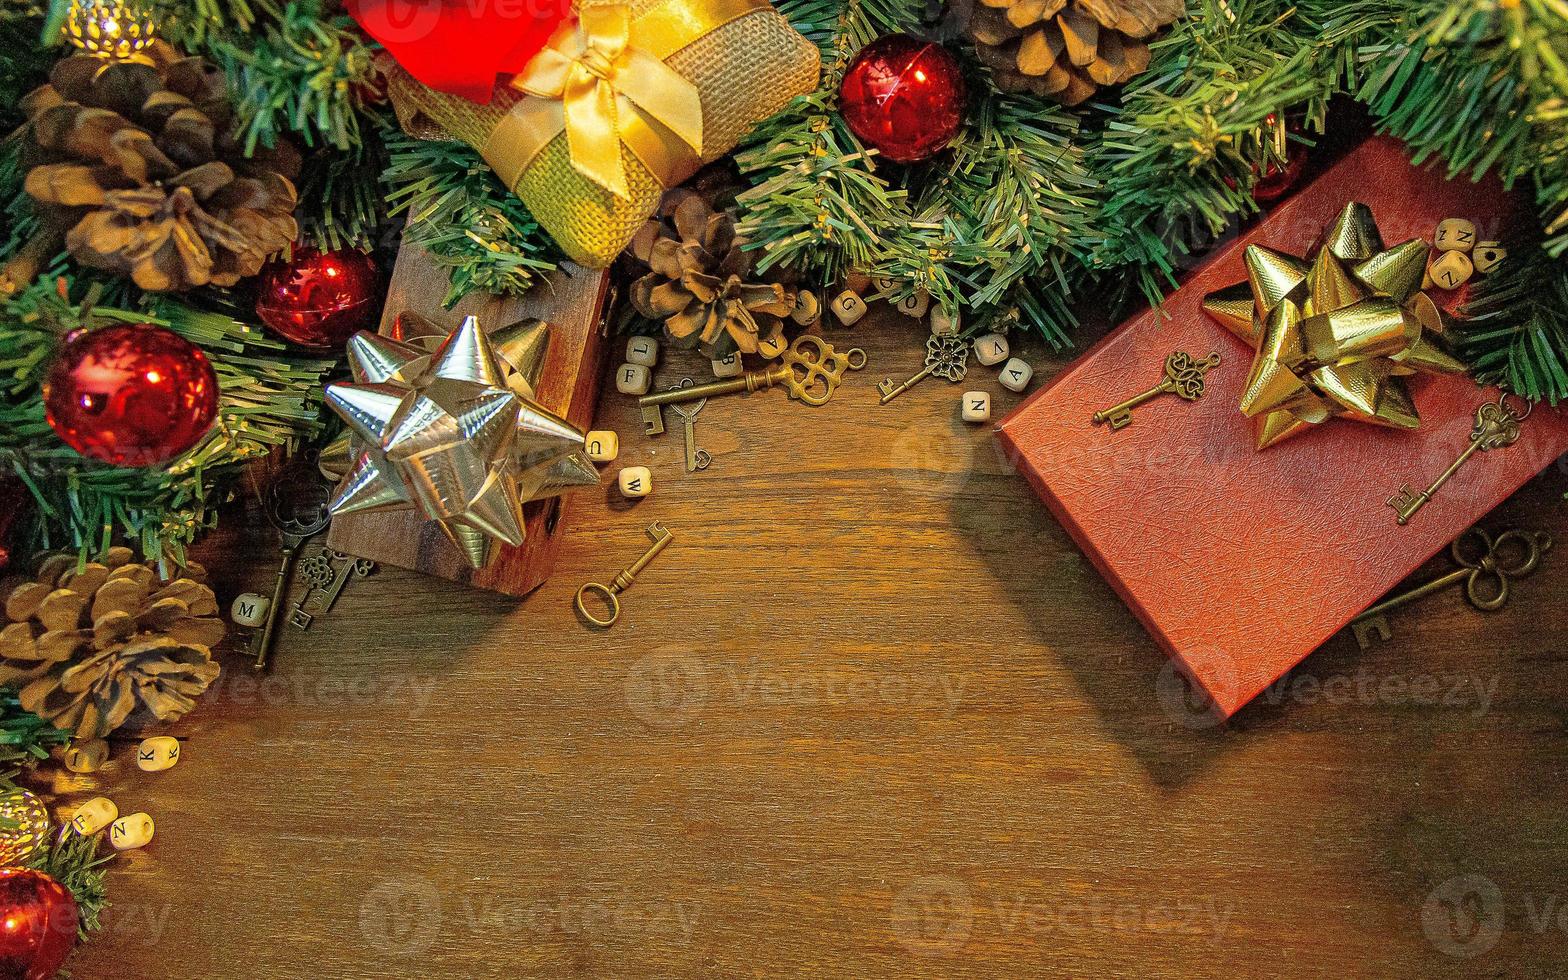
x=129, y=833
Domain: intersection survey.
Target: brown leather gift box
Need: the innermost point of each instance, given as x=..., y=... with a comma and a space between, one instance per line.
x=1241, y=562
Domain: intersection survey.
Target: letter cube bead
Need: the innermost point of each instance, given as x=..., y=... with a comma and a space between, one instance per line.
x=636, y=482
x=1016, y=374
x=915, y=304
x=94, y=815
x=943, y=325
x=848, y=307
x=633, y=379
x=991, y=349
x=884, y=285
x=249, y=609
x=1455, y=235
x=772, y=348
x=602, y=445
x=977, y=406
x=129, y=833
x=157, y=753
x=730, y=366
x=808, y=309
x=1488, y=256
x=88, y=756
x=1450, y=270
x=642, y=350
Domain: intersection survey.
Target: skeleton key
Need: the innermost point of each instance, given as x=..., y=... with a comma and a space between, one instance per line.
x=696, y=459
x=947, y=357
x=1496, y=426
x=321, y=578
x=1513, y=555
x=1183, y=377
x=295, y=503
x=624, y=579
x=811, y=371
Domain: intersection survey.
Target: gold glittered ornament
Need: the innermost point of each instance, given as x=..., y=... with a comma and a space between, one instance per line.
x=24, y=826
x=456, y=433
x=114, y=31
x=1336, y=335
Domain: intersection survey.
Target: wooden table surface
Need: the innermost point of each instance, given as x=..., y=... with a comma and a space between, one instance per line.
x=872, y=714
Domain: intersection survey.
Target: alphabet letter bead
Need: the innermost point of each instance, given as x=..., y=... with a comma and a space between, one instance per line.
x=728, y=367
x=977, y=406
x=807, y=309
x=943, y=325
x=602, y=445
x=129, y=833
x=636, y=482
x=1455, y=235
x=158, y=753
x=1451, y=270
x=86, y=756
x=642, y=350
x=94, y=815
x=884, y=285
x=915, y=304
x=1488, y=256
x=633, y=379
x=249, y=609
x=991, y=349
x=849, y=307
x=1016, y=374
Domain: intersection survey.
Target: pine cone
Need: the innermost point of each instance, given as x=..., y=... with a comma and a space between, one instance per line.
x=136, y=164
x=1066, y=49
x=698, y=281
x=89, y=648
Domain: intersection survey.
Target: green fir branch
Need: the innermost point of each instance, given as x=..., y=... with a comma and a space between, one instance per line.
x=25, y=738
x=462, y=215
x=73, y=860
x=1515, y=331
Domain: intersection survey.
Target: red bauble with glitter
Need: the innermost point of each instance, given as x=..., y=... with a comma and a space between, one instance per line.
x=37, y=924
x=319, y=299
x=904, y=97
x=131, y=395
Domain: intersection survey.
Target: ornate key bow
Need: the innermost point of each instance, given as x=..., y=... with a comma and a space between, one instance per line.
x=604, y=90
x=816, y=369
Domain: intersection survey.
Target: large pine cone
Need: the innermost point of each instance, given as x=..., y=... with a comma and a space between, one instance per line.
x=140, y=163
x=1066, y=49
x=88, y=649
x=698, y=282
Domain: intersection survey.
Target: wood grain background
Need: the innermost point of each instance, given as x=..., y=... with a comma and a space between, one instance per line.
x=872, y=714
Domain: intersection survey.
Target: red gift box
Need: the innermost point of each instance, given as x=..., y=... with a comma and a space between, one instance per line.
x=1241, y=562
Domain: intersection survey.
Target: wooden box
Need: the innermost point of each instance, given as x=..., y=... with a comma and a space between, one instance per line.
x=573, y=302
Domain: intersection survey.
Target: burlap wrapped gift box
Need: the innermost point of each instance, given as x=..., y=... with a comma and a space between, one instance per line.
x=745, y=69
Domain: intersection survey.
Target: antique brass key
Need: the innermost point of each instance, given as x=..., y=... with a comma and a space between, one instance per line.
x=623, y=581
x=946, y=357
x=811, y=370
x=1183, y=377
x=1496, y=426
x=1513, y=555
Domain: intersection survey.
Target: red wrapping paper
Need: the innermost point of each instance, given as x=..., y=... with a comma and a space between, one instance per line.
x=1240, y=562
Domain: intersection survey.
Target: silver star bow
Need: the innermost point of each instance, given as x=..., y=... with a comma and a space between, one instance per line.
x=455, y=433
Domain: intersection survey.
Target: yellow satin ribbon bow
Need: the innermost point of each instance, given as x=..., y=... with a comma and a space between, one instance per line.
x=604, y=90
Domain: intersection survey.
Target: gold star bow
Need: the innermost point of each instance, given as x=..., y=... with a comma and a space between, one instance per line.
x=455, y=434
x=1336, y=336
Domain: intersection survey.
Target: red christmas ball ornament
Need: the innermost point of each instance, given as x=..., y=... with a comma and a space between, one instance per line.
x=1277, y=180
x=319, y=299
x=903, y=96
x=37, y=924
x=131, y=395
